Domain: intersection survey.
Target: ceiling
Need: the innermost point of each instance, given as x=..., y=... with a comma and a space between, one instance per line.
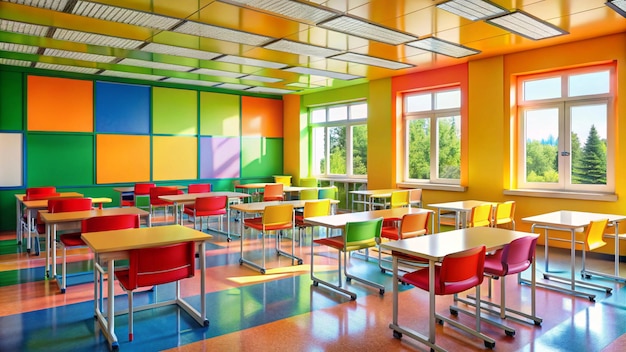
x=165, y=40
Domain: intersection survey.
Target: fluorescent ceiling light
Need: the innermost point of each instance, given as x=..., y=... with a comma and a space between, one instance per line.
x=23, y=28
x=131, y=75
x=250, y=62
x=316, y=72
x=270, y=90
x=178, y=51
x=12, y=62
x=96, y=39
x=229, y=35
x=360, y=28
x=56, y=5
x=526, y=25
x=78, y=56
x=19, y=48
x=290, y=9
x=443, y=47
x=370, y=60
x=66, y=68
x=218, y=73
x=302, y=85
x=152, y=64
x=618, y=5
x=233, y=86
x=472, y=9
x=122, y=15
x=261, y=78
x=289, y=46
x=195, y=82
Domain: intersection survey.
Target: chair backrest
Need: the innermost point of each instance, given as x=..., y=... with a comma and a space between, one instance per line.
x=480, y=215
x=362, y=234
x=62, y=205
x=416, y=197
x=594, y=235
x=273, y=191
x=143, y=189
x=414, y=225
x=307, y=194
x=308, y=182
x=285, y=180
x=160, y=265
x=328, y=193
x=518, y=255
x=199, y=188
x=316, y=208
x=110, y=222
x=36, y=191
x=278, y=216
x=461, y=271
x=211, y=203
x=155, y=192
x=504, y=213
x=399, y=199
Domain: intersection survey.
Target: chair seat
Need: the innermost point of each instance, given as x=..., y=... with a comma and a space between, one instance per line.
x=257, y=224
x=494, y=266
x=337, y=242
x=72, y=240
x=390, y=232
x=419, y=279
x=128, y=203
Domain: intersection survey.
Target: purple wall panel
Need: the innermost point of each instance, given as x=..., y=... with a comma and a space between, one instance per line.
x=219, y=157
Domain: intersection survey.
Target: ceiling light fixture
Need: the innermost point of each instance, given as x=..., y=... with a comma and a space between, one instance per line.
x=78, y=56
x=56, y=5
x=122, y=15
x=219, y=33
x=323, y=73
x=55, y=67
x=302, y=85
x=292, y=47
x=178, y=51
x=233, y=86
x=472, y=9
x=270, y=90
x=372, y=61
x=23, y=28
x=125, y=74
x=526, y=25
x=261, y=78
x=12, y=62
x=195, y=82
x=18, y=48
x=152, y=64
x=250, y=62
x=357, y=27
x=95, y=39
x=290, y=9
x=443, y=47
x=218, y=73
x=618, y=6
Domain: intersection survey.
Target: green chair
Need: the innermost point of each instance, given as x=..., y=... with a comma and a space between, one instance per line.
x=308, y=182
x=328, y=193
x=308, y=194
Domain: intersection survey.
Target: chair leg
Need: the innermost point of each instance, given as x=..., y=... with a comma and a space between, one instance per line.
x=130, y=315
x=64, y=270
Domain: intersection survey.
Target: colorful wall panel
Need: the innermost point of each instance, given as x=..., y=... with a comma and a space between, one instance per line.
x=174, y=158
x=11, y=159
x=261, y=157
x=261, y=117
x=219, y=114
x=59, y=159
x=122, y=108
x=122, y=158
x=219, y=157
x=11, y=101
x=59, y=104
x=174, y=111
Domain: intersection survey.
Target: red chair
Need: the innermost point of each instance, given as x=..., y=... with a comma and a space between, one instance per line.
x=199, y=188
x=411, y=225
x=205, y=207
x=60, y=205
x=100, y=223
x=273, y=191
x=143, y=191
x=457, y=273
x=148, y=267
x=156, y=202
x=34, y=193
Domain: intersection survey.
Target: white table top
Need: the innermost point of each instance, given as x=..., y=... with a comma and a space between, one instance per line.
x=570, y=219
x=191, y=197
x=340, y=220
x=259, y=207
x=463, y=205
x=370, y=192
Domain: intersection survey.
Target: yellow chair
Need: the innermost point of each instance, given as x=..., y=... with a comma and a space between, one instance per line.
x=594, y=237
x=308, y=182
x=313, y=208
x=480, y=216
x=274, y=218
x=285, y=180
x=504, y=213
x=399, y=199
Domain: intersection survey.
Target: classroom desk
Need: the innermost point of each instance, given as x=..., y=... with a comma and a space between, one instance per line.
x=21, y=208
x=70, y=218
x=109, y=246
x=435, y=248
x=367, y=196
x=339, y=222
x=572, y=221
x=131, y=189
x=188, y=198
x=461, y=210
x=252, y=188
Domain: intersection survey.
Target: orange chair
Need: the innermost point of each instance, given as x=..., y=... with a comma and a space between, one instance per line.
x=156, y=202
x=273, y=191
x=100, y=223
x=60, y=205
x=142, y=191
x=411, y=225
x=148, y=267
x=205, y=207
x=199, y=188
x=415, y=200
x=457, y=273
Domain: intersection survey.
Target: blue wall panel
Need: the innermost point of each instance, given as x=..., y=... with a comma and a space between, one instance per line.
x=122, y=108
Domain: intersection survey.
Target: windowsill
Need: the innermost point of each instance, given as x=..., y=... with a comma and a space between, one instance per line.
x=604, y=197
x=433, y=186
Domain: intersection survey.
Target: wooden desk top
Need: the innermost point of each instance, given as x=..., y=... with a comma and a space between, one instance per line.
x=20, y=197
x=54, y=218
x=43, y=203
x=570, y=219
x=145, y=237
x=252, y=185
x=191, y=197
x=131, y=189
x=340, y=220
x=463, y=205
x=258, y=207
x=435, y=247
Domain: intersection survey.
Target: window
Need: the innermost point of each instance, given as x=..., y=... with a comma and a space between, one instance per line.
x=564, y=123
x=339, y=140
x=432, y=143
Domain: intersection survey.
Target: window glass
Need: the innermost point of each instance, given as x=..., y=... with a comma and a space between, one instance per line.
x=318, y=115
x=358, y=111
x=449, y=145
x=542, y=131
x=318, y=150
x=540, y=89
x=419, y=102
x=588, y=144
x=448, y=100
x=338, y=113
x=337, y=145
x=359, y=150
x=589, y=84
x=419, y=149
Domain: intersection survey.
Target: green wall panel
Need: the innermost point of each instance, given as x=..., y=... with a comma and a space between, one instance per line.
x=11, y=100
x=219, y=114
x=174, y=111
x=60, y=160
x=7, y=209
x=261, y=157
